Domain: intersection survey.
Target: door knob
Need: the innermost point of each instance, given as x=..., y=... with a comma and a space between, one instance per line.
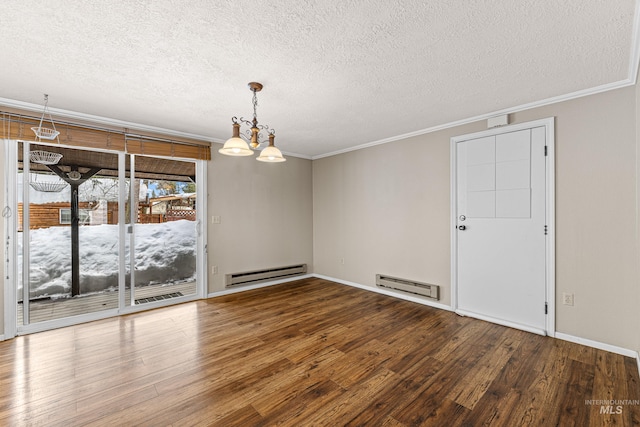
x=462, y=227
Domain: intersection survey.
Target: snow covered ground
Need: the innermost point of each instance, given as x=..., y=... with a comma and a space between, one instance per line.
x=165, y=253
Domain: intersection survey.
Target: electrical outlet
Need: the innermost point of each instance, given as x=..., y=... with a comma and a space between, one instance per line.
x=567, y=299
x=342, y=261
x=214, y=269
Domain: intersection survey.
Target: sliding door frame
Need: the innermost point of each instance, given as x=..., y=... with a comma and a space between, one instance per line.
x=11, y=328
x=9, y=213
x=201, y=242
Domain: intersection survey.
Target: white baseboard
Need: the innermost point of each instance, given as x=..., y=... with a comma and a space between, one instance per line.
x=599, y=345
x=258, y=286
x=1, y=337
x=385, y=292
x=558, y=335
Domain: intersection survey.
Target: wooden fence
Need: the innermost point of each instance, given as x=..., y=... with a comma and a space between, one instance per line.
x=175, y=215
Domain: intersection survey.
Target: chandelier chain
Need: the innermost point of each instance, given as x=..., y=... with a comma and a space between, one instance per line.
x=244, y=141
x=255, y=105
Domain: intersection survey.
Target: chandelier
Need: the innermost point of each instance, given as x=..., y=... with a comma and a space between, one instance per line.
x=238, y=145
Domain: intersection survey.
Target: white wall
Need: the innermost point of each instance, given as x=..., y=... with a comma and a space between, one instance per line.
x=386, y=209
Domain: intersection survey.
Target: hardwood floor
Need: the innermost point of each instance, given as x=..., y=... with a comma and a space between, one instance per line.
x=308, y=353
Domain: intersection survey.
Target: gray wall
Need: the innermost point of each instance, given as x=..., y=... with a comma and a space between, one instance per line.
x=386, y=209
x=265, y=211
x=597, y=246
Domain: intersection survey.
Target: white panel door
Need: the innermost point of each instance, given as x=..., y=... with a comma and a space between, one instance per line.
x=501, y=228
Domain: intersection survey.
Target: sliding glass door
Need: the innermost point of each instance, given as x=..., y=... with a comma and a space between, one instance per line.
x=101, y=233
x=67, y=232
x=163, y=219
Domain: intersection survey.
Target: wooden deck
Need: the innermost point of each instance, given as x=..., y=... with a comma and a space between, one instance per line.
x=50, y=309
x=309, y=353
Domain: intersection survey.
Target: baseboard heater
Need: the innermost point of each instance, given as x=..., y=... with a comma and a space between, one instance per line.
x=409, y=286
x=266, y=275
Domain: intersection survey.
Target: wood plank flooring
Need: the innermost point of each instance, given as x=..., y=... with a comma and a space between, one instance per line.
x=308, y=353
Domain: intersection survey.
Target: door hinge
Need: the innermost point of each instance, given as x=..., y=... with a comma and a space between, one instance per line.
x=546, y=308
x=546, y=230
x=545, y=151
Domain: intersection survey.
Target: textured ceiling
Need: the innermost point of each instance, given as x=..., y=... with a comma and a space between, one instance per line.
x=337, y=74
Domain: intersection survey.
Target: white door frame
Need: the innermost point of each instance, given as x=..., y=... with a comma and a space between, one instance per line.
x=549, y=125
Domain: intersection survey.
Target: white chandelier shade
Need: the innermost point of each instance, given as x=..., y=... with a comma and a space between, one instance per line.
x=271, y=153
x=237, y=145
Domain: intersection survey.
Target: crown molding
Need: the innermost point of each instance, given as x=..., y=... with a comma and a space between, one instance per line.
x=68, y=114
x=74, y=115
x=634, y=64
x=6, y=102
x=554, y=100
